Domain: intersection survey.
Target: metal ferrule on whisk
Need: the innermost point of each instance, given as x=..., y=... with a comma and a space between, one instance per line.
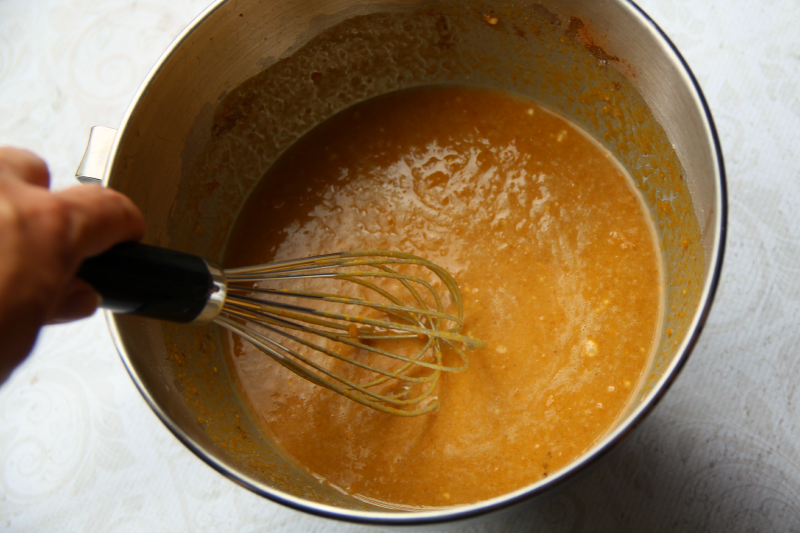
x=217, y=292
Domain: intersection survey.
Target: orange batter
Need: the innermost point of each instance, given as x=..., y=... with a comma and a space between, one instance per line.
x=555, y=255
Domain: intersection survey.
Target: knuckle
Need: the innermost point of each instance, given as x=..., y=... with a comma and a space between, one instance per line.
x=53, y=217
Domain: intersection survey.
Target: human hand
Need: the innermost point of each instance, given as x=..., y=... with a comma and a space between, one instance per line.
x=44, y=238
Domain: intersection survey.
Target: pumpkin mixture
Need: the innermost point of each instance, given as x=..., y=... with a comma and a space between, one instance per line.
x=556, y=258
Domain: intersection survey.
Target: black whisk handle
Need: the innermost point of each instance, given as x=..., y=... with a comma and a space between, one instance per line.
x=155, y=282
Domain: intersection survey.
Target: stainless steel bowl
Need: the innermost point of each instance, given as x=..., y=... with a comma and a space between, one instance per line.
x=189, y=150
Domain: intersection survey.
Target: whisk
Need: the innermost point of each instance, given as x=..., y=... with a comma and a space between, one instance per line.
x=393, y=341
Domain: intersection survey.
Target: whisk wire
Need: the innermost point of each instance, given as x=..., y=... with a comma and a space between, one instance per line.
x=253, y=315
x=354, y=277
x=309, y=314
x=365, y=269
x=396, y=309
x=338, y=384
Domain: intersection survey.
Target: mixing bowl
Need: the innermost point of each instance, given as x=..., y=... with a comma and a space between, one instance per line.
x=248, y=77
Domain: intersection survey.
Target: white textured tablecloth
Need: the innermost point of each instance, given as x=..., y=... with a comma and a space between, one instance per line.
x=81, y=451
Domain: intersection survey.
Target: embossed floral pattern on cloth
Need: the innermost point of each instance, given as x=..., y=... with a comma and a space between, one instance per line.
x=81, y=451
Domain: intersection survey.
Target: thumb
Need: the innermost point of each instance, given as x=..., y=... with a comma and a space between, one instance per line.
x=79, y=300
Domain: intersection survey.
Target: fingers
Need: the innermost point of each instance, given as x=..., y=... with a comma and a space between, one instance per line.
x=44, y=238
x=23, y=165
x=100, y=218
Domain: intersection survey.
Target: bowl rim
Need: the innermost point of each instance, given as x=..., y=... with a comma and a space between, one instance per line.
x=602, y=448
